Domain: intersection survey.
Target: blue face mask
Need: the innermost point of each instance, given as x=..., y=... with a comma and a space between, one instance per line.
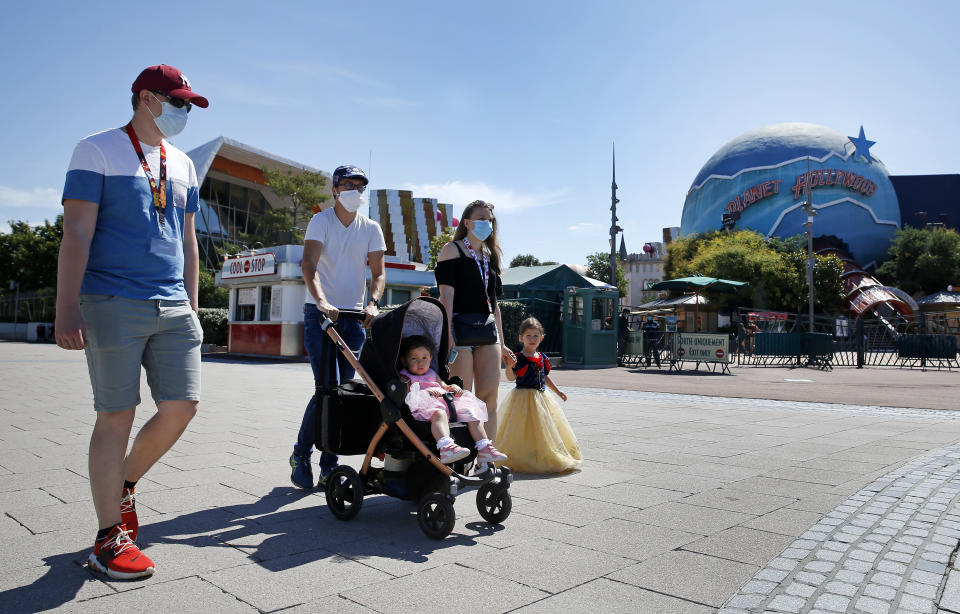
x=171, y=120
x=482, y=229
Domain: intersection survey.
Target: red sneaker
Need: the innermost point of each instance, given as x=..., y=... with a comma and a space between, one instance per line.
x=118, y=557
x=128, y=512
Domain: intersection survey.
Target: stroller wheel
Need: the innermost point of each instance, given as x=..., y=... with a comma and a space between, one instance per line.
x=344, y=492
x=436, y=516
x=494, y=503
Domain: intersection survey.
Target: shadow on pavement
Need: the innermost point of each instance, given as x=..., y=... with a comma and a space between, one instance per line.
x=384, y=528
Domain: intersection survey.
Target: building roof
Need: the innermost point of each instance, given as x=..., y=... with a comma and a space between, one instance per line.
x=941, y=298
x=548, y=277
x=231, y=149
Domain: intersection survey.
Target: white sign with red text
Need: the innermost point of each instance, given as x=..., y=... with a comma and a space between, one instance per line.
x=703, y=347
x=249, y=266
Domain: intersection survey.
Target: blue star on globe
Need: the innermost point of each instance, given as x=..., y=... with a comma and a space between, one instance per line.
x=863, y=145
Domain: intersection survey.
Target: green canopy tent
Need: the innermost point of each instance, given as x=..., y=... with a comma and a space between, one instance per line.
x=698, y=283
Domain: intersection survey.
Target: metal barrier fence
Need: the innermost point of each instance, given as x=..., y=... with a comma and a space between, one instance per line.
x=23, y=310
x=930, y=340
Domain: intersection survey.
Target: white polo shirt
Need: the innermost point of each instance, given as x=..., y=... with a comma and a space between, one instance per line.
x=342, y=265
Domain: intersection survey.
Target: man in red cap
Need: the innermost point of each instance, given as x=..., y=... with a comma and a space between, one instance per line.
x=127, y=295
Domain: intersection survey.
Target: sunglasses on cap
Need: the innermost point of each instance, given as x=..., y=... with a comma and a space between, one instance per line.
x=177, y=103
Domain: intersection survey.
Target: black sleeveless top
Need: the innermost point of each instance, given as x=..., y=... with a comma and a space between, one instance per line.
x=463, y=275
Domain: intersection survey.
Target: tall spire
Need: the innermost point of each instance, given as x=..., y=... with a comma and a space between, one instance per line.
x=614, y=229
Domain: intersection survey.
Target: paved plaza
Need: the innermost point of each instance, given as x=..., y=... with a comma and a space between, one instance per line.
x=764, y=490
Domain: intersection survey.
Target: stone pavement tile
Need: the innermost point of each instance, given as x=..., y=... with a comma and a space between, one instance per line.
x=26, y=498
x=568, y=565
x=571, y=510
x=11, y=529
x=950, y=599
x=407, y=550
x=191, y=498
x=604, y=595
x=738, y=500
x=293, y=580
x=762, y=460
x=815, y=475
x=685, y=483
x=205, y=461
x=170, y=528
x=516, y=529
x=822, y=503
x=640, y=448
x=184, y=595
x=423, y=592
x=193, y=477
x=55, y=517
x=688, y=575
x=66, y=544
x=785, y=521
x=536, y=488
x=70, y=493
x=779, y=487
x=720, y=471
x=628, y=539
x=690, y=518
x=34, y=479
x=744, y=545
x=806, y=450
x=595, y=477
x=632, y=495
x=335, y=604
x=829, y=465
x=48, y=587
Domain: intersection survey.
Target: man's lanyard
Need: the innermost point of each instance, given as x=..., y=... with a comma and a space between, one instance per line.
x=484, y=271
x=159, y=192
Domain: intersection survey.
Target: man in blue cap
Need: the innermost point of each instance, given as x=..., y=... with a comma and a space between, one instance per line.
x=337, y=247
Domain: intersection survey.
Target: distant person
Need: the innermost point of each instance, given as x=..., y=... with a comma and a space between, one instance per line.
x=468, y=276
x=337, y=248
x=534, y=431
x=651, y=341
x=750, y=331
x=623, y=331
x=127, y=295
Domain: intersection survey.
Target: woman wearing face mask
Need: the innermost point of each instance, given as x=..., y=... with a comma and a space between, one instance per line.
x=468, y=274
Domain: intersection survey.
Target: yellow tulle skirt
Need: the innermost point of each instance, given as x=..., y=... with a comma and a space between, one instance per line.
x=534, y=433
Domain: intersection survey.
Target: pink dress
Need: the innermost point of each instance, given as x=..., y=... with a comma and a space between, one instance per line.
x=423, y=405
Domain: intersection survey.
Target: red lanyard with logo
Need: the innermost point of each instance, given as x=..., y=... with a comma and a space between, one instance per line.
x=159, y=192
x=484, y=270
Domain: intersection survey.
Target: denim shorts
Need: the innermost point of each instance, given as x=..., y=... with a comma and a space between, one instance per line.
x=123, y=334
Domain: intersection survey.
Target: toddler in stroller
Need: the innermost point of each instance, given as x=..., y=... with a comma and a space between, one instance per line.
x=430, y=399
x=373, y=418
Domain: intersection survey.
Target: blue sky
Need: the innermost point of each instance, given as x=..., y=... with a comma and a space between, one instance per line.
x=514, y=102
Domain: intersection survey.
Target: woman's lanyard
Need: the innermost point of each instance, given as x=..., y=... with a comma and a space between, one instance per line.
x=159, y=192
x=484, y=271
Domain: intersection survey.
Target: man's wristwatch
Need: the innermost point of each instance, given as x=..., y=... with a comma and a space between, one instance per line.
x=375, y=302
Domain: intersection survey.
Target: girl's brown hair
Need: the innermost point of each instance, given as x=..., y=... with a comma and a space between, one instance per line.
x=531, y=323
x=492, y=242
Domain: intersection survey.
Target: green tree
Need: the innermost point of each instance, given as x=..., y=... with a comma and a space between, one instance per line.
x=28, y=254
x=922, y=261
x=524, y=260
x=775, y=269
x=208, y=294
x=598, y=267
x=436, y=244
x=304, y=189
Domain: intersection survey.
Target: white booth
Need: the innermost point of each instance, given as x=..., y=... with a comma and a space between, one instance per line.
x=267, y=295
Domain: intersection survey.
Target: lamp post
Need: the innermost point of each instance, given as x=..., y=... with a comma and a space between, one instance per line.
x=811, y=259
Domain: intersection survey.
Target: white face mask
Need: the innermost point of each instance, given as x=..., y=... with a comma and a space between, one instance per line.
x=352, y=200
x=171, y=120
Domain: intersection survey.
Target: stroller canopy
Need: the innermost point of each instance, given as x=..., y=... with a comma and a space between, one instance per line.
x=421, y=316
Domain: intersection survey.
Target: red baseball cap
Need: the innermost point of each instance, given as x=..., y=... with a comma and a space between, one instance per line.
x=170, y=81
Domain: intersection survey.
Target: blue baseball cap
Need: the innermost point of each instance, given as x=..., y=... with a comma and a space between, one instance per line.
x=348, y=172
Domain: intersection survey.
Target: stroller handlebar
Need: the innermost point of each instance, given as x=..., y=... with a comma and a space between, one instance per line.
x=352, y=314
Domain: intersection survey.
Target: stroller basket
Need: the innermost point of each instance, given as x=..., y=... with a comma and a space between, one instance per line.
x=349, y=416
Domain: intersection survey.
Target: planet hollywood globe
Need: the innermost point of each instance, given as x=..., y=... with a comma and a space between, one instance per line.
x=761, y=180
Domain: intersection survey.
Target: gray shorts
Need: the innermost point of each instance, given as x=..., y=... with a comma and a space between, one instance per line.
x=122, y=334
